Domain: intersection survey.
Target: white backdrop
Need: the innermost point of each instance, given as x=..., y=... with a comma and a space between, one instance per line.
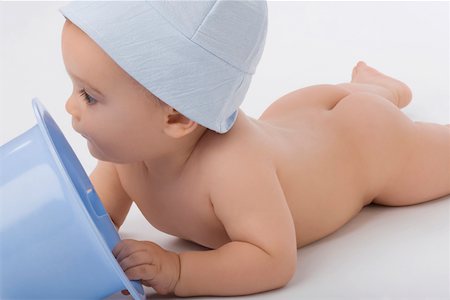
x=307, y=43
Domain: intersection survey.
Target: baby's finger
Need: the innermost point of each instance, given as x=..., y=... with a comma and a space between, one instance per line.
x=125, y=292
x=126, y=247
x=135, y=259
x=128, y=252
x=120, y=245
x=142, y=272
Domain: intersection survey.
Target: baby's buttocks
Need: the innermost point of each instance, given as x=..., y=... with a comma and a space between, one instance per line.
x=331, y=163
x=381, y=135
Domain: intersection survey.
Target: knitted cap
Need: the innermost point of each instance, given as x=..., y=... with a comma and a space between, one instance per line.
x=196, y=56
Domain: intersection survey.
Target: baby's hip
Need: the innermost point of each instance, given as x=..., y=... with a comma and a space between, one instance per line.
x=380, y=134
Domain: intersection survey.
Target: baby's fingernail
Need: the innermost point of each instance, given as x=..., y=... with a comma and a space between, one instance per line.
x=125, y=292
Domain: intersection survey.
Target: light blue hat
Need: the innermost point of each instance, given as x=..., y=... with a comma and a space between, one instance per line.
x=196, y=56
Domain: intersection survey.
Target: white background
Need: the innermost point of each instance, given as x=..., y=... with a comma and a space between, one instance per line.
x=384, y=253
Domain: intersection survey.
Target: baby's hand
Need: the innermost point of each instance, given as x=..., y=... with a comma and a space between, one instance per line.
x=148, y=262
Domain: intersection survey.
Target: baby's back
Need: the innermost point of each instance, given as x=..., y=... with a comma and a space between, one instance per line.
x=330, y=162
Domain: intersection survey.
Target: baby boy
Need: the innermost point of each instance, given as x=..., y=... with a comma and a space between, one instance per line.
x=156, y=93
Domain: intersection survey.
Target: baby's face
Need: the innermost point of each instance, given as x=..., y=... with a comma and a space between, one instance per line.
x=109, y=108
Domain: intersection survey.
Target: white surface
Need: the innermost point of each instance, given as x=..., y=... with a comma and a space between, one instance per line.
x=384, y=253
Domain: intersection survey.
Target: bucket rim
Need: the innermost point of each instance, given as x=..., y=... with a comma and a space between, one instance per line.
x=39, y=112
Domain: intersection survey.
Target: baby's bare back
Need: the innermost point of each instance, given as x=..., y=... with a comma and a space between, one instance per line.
x=331, y=157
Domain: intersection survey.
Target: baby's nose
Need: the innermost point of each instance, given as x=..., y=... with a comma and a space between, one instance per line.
x=71, y=107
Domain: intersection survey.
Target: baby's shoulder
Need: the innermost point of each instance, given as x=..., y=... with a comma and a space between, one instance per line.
x=226, y=155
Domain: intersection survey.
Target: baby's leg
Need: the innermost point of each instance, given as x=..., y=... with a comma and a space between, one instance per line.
x=426, y=175
x=367, y=79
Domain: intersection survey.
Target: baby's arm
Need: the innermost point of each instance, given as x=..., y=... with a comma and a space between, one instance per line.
x=247, y=198
x=262, y=255
x=109, y=189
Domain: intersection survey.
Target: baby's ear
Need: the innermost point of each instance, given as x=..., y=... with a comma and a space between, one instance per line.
x=176, y=125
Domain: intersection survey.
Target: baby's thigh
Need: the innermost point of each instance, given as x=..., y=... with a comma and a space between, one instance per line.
x=380, y=133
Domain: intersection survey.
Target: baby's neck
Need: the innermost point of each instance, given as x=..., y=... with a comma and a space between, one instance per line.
x=171, y=164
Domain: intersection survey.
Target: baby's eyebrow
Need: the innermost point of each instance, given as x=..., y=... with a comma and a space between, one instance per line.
x=81, y=80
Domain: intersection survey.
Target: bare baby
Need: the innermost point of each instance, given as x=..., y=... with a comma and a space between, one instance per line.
x=257, y=193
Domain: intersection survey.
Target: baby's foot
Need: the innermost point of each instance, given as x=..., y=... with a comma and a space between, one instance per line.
x=362, y=73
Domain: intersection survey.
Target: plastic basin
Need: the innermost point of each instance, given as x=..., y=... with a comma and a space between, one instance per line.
x=56, y=238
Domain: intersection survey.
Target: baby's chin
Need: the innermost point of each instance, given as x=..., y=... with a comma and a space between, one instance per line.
x=95, y=151
x=92, y=149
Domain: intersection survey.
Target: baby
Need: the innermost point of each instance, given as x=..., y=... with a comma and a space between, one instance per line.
x=156, y=93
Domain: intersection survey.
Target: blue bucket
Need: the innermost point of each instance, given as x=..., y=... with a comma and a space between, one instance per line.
x=56, y=238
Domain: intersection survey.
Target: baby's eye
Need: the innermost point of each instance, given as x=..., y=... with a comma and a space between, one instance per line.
x=89, y=99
